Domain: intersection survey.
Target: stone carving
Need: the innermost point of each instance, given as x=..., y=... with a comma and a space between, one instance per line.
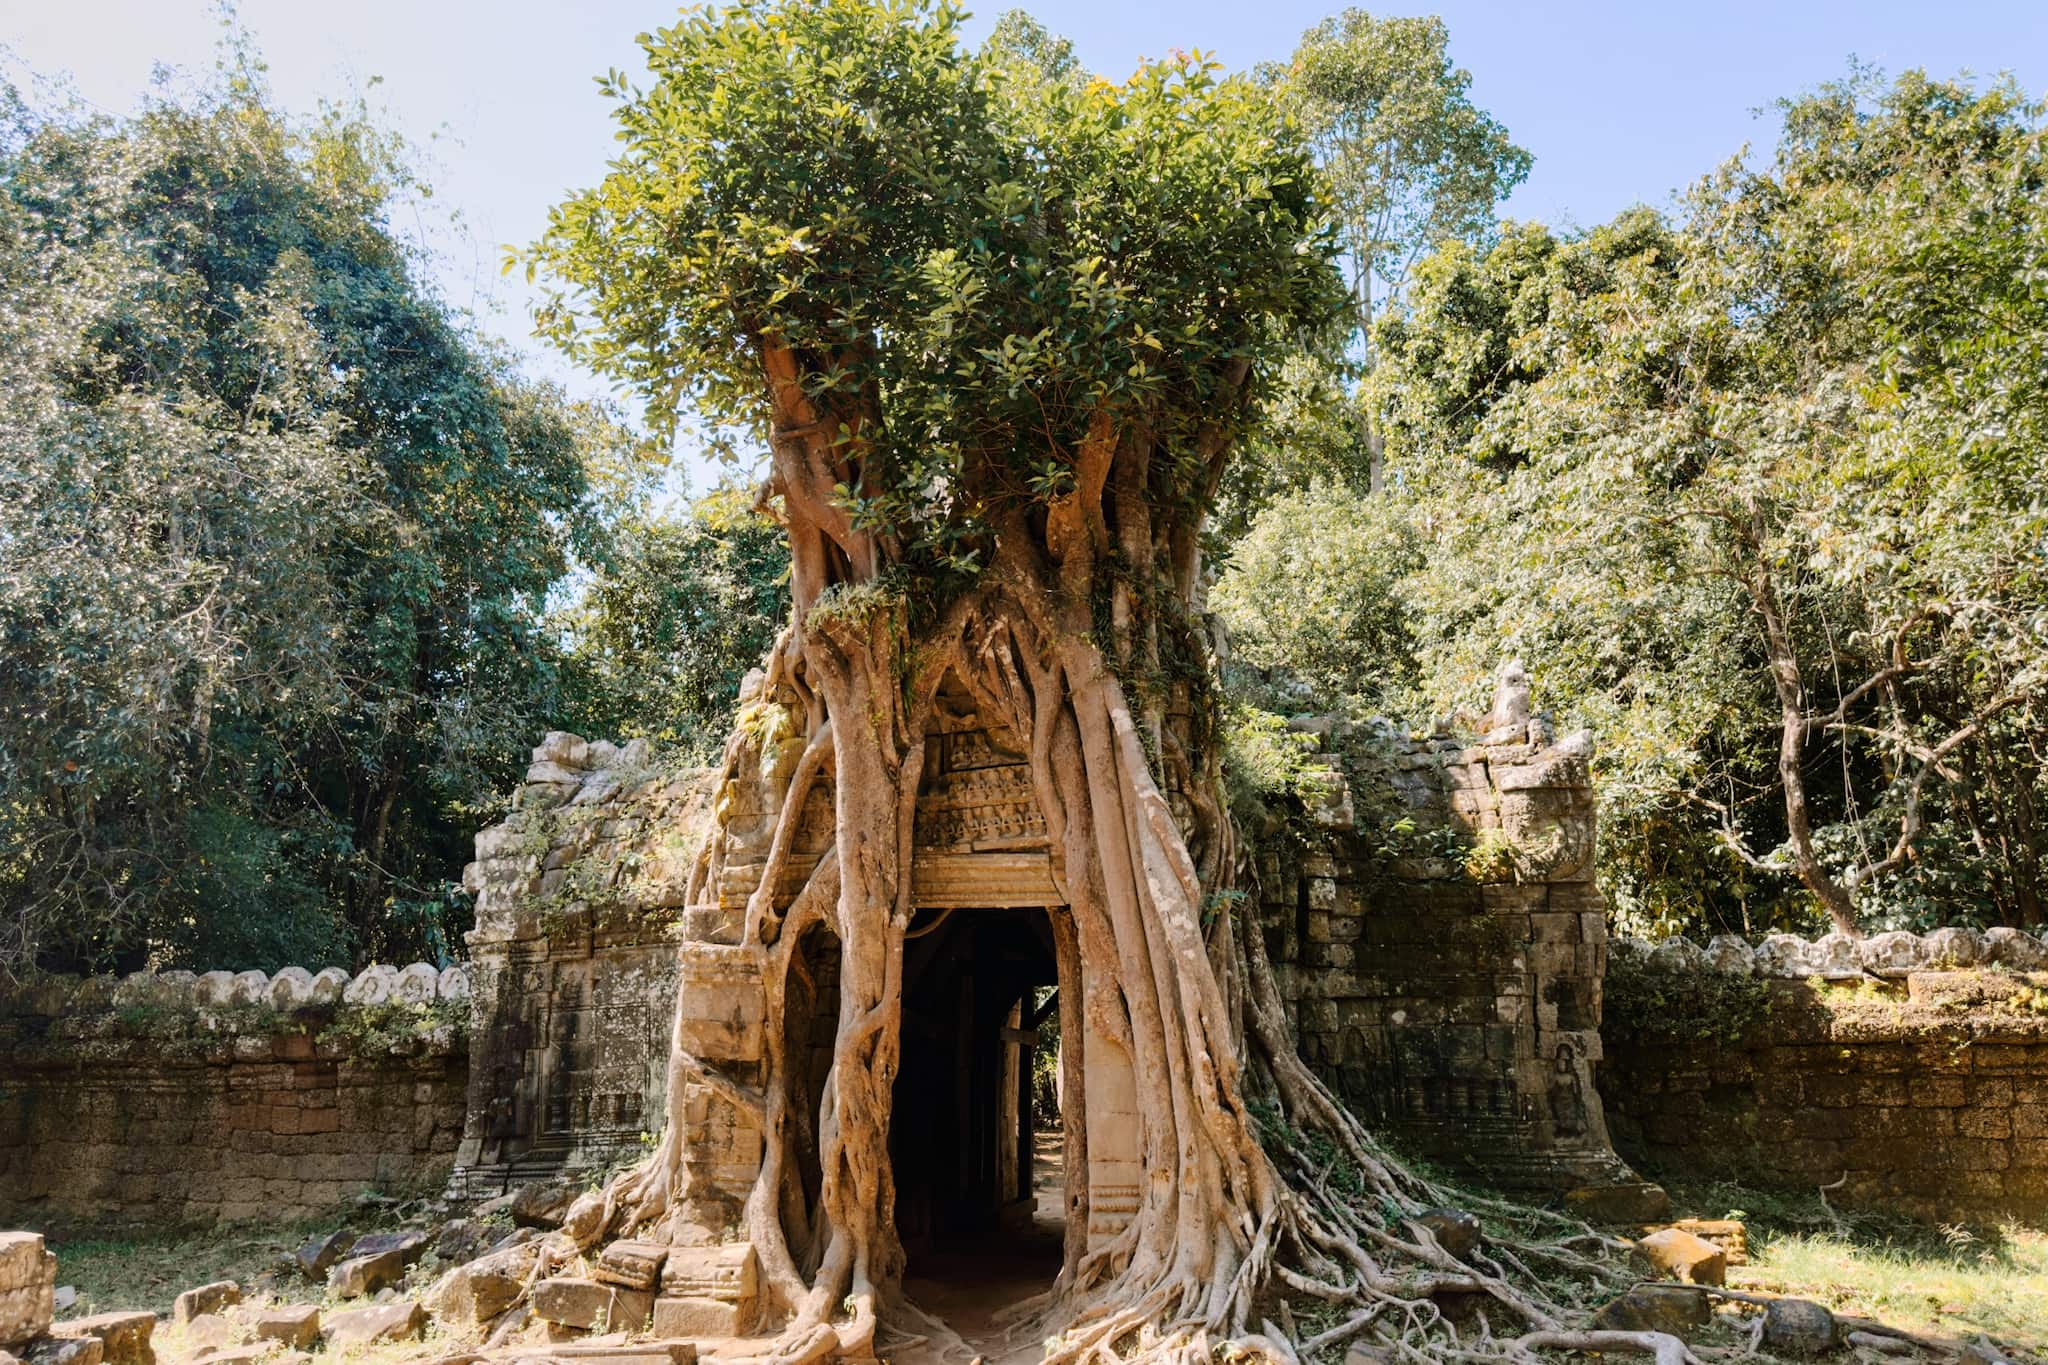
x=1837, y=957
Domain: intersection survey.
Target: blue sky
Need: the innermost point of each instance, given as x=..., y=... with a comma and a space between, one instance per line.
x=1621, y=103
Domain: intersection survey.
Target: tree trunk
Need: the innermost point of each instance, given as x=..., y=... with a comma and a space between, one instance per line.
x=1792, y=729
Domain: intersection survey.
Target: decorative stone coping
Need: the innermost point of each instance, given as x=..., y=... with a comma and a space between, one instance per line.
x=1836, y=957
x=293, y=988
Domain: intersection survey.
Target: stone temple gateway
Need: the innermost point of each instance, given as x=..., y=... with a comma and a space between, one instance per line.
x=1449, y=988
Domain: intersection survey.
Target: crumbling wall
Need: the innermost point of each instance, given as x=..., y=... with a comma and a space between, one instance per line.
x=173, y=1097
x=586, y=936
x=1441, y=942
x=1900, y=1071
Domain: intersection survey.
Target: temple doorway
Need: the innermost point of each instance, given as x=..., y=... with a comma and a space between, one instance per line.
x=974, y=1137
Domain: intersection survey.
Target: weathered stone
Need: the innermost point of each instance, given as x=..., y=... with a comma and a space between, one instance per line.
x=249, y=989
x=728, y=1272
x=403, y=1320
x=1836, y=957
x=360, y=1275
x=471, y=1295
x=2016, y=949
x=124, y=1337
x=542, y=1206
x=1728, y=1234
x=584, y=1220
x=1623, y=1202
x=296, y=1325
x=328, y=985
x=1784, y=955
x=1953, y=947
x=410, y=1246
x=417, y=984
x=28, y=1288
x=212, y=987
x=1798, y=1327
x=590, y=1306
x=1893, y=953
x=319, y=1254
x=206, y=1332
x=459, y=1240
x=1731, y=953
x=65, y=1298
x=291, y=989
x=65, y=1351
x=631, y=1265
x=690, y=1316
x=1455, y=1230
x=453, y=983
x=205, y=1300
x=1679, y=1310
x=1674, y=1253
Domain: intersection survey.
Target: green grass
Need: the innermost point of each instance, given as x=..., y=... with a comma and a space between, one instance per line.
x=149, y=1268
x=1951, y=1280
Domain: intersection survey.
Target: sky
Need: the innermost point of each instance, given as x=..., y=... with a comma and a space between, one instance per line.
x=1620, y=102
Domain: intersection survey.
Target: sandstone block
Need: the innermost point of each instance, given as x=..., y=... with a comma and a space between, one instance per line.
x=291, y=989
x=206, y=1332
x=2012, y=948
x=1674, y=1253
x=28, y=1288
x=249, y=989
x=410, y=1246
x=728, y=1272
x=1954, y=947
x=1797, y=1327
x=1678, y=1310
x=372, y=985
x=590, y=1306
x=360, y=1275
x=206, y=1300
x=453, y=983
x=631, y=1265
x=416, y=984
x=689, y=1316
x=212, y=987
x=124, y=1337
x=318, y=1255
x=296, y=1325
x=471, y=1295
x=328, y=985
x=402, y=1320
x=65, y=1351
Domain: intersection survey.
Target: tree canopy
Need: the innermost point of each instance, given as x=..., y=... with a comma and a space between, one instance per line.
x=278, y=534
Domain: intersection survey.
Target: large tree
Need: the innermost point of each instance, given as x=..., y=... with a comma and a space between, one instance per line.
x=276, y=536
x=1001, y=331
x=1760, y=487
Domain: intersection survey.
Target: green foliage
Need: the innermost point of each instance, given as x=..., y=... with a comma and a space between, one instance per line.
x=975, y=258
x=279, y=536
x=1656, y=1003
x=665, y=631
x=1310, y=598
x=1778, y=458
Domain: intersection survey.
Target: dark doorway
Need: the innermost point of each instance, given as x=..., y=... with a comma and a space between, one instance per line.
x=979, y=1193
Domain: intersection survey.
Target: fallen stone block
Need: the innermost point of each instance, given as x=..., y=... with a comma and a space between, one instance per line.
x=410, y=1246
x=124, y=1337
x=205, y=1300
x=1455, y=1230
x=318, y=1256
x=207, y=1332
x=1634, y=1202
x=359, y=1276
x=1798, y=1327
x=28, y=1288
x=400, y=1321
x=729, y=1273
x=1679, y=1310
x=65, y=1351
x=631, y=1265
x=542, y=1206
x=589, y=1306
x=296, y=1325
x=471, y=1295
x=1675, y=1254
x=687, y=1315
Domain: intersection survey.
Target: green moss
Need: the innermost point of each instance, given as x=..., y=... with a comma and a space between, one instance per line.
x=1651, y=1002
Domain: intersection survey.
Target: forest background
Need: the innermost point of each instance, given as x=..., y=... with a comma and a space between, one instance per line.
x=296, y=563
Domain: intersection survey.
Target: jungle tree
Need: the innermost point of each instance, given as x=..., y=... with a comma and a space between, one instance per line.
x=1000, y=331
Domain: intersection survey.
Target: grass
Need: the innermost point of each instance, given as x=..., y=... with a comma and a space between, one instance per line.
x=150, y=1267
x=1952, y=1280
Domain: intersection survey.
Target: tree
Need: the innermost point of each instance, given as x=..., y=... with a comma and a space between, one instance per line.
x=1411, y=161
x=1752, y=485
x=277, y=540
x=1000, y=333
x=667, y=630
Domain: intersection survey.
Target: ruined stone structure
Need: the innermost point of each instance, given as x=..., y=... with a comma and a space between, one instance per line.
x=1902, y=1072
x=1443, y=954
x=1450, y=987
x=235, y=1097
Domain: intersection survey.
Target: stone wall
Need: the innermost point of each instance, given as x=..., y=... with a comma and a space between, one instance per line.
x=579, y=909
x=1443, y=951
x=1904, y=1072
x=222, y=1096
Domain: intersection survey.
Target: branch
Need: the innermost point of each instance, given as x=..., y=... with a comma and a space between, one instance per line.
x=1668, y=1350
